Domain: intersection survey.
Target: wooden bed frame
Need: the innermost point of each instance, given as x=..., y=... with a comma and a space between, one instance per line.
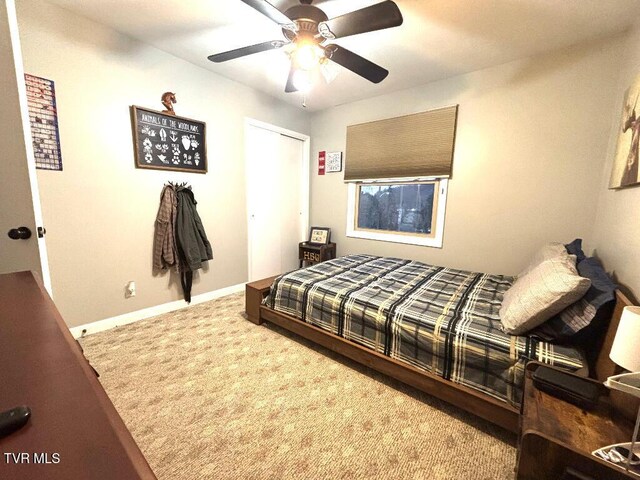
x=475, y=402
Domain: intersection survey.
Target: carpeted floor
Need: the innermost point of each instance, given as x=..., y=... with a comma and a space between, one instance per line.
x=208, y=395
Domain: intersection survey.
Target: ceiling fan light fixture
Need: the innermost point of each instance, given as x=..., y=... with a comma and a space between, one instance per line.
x=302, y=80
x=306, y=55
x=329, y=70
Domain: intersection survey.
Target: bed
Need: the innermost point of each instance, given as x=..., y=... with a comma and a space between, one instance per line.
x=435, y=328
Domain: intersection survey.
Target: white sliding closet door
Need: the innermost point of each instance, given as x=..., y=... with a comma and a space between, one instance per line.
x=277, y=201
x=291, y=202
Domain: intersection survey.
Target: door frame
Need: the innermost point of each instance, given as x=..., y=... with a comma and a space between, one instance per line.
x=305, y=180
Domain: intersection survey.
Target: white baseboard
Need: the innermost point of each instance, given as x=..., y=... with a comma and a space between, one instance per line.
x=131, y=317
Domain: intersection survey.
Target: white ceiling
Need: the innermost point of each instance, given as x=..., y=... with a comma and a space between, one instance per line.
x=439, y=38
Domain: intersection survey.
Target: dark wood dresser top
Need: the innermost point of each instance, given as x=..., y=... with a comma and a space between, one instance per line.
x=42, y=366
x=571, y=425
x=557, y=435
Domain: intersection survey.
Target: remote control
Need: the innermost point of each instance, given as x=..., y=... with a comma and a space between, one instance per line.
x=13, y=420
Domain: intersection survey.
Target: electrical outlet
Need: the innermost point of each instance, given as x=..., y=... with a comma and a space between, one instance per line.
x=130, y=289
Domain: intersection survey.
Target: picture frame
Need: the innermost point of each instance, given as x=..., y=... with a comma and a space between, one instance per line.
x=43, y=116
x=625, y=171
x=168, y=142
x=319, y=236
x=334, y=162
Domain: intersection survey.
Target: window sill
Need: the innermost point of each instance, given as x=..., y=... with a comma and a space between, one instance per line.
x=405, y=239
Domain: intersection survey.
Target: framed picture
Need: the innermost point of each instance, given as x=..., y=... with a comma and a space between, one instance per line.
x=334, y=162
x=43, y=114
x=319, y=236
x=168, y=142
x=625, y=164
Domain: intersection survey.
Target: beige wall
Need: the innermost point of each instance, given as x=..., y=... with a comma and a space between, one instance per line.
x=100, y=211
x=616, y=231
x=531, y=140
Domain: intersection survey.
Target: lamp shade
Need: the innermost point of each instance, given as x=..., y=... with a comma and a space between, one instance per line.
x=625, y=350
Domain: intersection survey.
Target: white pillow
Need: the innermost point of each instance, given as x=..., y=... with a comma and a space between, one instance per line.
x=541, y=293
x=546, y=252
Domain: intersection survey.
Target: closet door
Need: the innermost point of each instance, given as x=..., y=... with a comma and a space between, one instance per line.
x=263, y=199
x=275, y=201
x=291, y=201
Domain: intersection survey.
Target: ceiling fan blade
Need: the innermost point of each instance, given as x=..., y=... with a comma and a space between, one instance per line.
x=357, y=64
x=272, y=12
x=244, y=51
x=290, y=88
x=376, y=17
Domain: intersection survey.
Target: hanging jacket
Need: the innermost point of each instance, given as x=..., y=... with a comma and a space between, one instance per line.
x=190, y=234
x=164, y=242
x=193, y=245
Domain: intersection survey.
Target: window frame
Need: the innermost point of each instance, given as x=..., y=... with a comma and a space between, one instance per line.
x=433, y=239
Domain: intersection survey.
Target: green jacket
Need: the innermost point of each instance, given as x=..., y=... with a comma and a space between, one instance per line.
x=193, y=245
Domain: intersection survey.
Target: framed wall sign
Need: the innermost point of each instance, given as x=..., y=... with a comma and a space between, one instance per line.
x=322, y=159
x=334, y=162
x=43, y=116
x=168, y=142
x=319, y=236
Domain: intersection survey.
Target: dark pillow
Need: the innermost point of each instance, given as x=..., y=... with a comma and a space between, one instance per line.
x=575, y=248
x=594, y=307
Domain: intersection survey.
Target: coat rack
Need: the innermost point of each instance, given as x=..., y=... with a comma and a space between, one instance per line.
x=177, y=185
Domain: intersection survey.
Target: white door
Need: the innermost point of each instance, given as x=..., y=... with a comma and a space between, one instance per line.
x=19, y=199
x=277, y=200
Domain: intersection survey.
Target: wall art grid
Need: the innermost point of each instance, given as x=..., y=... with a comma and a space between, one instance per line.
x=43, y=117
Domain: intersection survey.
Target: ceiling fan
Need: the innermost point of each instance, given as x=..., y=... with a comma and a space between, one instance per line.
x=309, y=29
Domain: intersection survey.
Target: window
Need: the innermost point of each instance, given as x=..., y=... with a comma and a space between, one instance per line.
x=398, y=211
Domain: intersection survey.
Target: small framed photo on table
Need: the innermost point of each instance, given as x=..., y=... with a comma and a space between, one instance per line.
x=319, y=236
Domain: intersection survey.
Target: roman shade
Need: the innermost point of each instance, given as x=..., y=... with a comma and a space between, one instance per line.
x=412, y=146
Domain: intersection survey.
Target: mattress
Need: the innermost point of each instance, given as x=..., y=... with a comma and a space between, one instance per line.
x=439, y=320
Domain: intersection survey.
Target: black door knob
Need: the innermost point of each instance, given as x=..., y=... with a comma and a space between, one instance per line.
x=20, y=233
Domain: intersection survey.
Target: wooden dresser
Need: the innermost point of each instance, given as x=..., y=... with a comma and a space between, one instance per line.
x=42, y=366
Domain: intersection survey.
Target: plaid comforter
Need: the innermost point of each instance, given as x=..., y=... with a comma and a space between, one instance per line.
x=440, y=320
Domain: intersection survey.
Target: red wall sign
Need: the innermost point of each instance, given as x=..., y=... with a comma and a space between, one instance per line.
x=322, y=158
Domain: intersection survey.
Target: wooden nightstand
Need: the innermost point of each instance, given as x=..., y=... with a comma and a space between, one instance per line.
x=557, y=437
x=310, y=254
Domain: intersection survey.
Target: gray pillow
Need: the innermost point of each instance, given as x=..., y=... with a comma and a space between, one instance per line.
x=541, y=293
x=546, y=252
